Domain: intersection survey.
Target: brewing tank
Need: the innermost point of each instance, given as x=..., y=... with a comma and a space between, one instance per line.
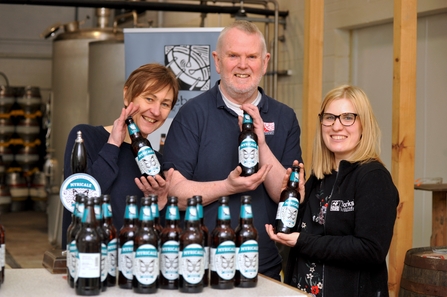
x=106, y=74
x=70, y=76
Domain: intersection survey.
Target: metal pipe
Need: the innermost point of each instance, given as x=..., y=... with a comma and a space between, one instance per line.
x=137, y=5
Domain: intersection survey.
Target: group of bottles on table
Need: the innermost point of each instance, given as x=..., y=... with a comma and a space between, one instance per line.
x=91, y=246
x=144, y=256
x=176, y=258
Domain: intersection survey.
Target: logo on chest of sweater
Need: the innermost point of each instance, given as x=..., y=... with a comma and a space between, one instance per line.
x=342, y=206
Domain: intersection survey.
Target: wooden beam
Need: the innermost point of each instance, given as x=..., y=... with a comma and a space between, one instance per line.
x=403, y=136
x=312, y=73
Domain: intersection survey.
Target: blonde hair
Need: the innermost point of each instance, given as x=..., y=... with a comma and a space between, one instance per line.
x=368, y=147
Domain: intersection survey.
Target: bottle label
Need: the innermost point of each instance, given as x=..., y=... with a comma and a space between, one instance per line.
x=247, y=119
x=145, y=214
x=125, y=255
x=200, y=211
x=248, y=153
x=2, y=255
x=72, y=255
x=224, y=212
x=104, y=261
x=169, y=264
x=222, y=259
x=294, y=177
x=192, y=263
x=112, y=249
x=98, y=212
x=172, y=213
x=147, y=161
x=89, y=265
x=247, y=259
x=246, y=212
x=206, y=249
x=191, y=214
x=155, y=211
x=107, y=210
x=131, y=212
x=288, y=212
x=146, y=264
x=132, y=128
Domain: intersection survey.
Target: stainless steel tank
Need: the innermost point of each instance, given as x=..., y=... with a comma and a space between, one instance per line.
x=106, y=74
x=70, y=83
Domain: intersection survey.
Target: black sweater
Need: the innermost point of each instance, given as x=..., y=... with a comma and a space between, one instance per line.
x=357, y=232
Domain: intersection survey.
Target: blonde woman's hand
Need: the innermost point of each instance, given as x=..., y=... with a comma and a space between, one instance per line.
x=284, y=239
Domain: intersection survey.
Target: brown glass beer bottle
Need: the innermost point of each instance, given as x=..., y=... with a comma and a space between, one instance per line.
x=191, y=255
x=223, y=248
x=169, y=245
x=125, y=243
x=248, y=147
x=247, y=249
x=146, y=262
x=88, y=243
x=288, y=205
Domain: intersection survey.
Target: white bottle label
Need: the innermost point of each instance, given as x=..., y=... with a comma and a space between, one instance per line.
x=73, y=258
x=146, y=264
x=112, y=256
x=125, y=264
x=192, y=263
x=289, y=212
x=169, y=261
x=89, y=265
x=248, y=153
x=222, y=260
x=247, y=259
x=147, y=161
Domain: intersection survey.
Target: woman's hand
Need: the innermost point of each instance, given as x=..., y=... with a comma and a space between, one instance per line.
x=156, y=186
x=119, y=129
x=282, y=238
x=302, y=182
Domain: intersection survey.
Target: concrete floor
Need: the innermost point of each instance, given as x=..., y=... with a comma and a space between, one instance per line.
x=26, y=238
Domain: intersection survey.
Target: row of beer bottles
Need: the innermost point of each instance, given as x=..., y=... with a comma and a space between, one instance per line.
x=91, y=246
x=184, y=254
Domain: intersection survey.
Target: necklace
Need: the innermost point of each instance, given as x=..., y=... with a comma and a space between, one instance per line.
x=320, y=217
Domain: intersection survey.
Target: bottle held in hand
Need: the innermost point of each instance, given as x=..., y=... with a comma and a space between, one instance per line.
x=248, y=147
x=288, y=205
x=142, y=150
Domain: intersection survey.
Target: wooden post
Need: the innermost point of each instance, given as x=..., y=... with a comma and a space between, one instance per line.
x=403, y=136
x=312, y=73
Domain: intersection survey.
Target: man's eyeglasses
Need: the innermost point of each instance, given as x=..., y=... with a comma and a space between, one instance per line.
x=346, y=119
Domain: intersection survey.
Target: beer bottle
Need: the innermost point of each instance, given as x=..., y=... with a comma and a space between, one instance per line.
x=112, y=241
x=191, y=253
x=88, y=243
x=248, y=147
x=223, y=248
x=247, y=249
x=155, y=214
x=125, y=243
x=72, y=231
x=169, y=243
x=142, y=150
x=145, y=272
x=206, y=243
x=288, y=205
x=162, y=142
x=104, y=239
x=2, y=254
x=78, y=155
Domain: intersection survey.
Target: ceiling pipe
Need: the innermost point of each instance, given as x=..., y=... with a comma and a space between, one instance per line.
x=142, y=5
